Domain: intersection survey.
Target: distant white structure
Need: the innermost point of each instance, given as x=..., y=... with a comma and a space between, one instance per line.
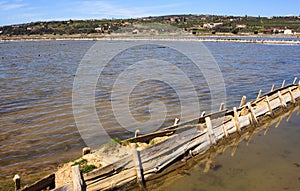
x=136, y=31
x=98, y=29
x=211, y=25
x=241, y=26
x=288, y=31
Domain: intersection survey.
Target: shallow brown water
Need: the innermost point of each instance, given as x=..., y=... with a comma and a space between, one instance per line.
x=269, y=162
x=37, y=126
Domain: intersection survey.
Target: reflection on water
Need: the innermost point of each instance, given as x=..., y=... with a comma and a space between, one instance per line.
x=266, y=162
x=37, y=127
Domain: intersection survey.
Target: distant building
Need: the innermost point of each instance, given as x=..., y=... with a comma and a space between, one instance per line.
x=98, y=29
x=136, y=31
x=241, y=26
x=211, y=25
x=288, y=31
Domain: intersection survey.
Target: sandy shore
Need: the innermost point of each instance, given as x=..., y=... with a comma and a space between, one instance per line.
x=245, y=38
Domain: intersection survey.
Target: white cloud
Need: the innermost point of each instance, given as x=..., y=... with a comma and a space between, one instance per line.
x=104, y=8
x=6, y=6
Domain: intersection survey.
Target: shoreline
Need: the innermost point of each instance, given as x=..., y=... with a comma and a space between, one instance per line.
x=259, y=39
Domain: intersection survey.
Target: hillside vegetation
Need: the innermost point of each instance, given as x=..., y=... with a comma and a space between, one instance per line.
x=195, y=24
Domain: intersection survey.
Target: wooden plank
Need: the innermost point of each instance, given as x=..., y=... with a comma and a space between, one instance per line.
x=179, y=152
x=76, y=178
x=108, y=170
x=44, y=183
x=67, y=187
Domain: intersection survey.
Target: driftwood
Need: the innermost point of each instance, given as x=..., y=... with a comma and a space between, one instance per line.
x=193, y=142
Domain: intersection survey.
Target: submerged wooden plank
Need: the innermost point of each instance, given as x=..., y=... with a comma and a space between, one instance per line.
x=44, y=183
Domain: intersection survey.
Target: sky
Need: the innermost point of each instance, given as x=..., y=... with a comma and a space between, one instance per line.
x=25, y=11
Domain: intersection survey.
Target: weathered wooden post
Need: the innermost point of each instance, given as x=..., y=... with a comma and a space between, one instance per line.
x=269, y=106
x=17, y=180
x=222, y=107
x=282, y=101
x=259, y=94
x=137, y=133
x=210, y=130
x=273, y=87
x=236, y=120
x=253, y=117
x=77, y=180
x=283, y=84
x=292, y=96
x=202, y=114
x=295, y=80
x=243, y=101
x=86, y=150
x=176, y=121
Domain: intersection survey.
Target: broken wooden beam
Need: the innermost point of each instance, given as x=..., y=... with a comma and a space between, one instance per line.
x=76, y=178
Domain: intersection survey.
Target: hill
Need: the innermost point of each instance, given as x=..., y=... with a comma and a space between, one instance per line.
x=195, y=24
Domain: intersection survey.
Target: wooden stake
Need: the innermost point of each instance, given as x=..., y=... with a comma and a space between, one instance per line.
x=77, y=180
x=283, y=84
x=253, y=117
x=259, y=94
x=176, y=121
x=222, y=107
x=269, y=106
x=17, y=180
x=273, y=87
x=295, y=80
x=236, y=120
x=243, y=101
x=86, y=150
x=292, y=96
x=139, y=168
x=282, y=101
x=210, y=131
